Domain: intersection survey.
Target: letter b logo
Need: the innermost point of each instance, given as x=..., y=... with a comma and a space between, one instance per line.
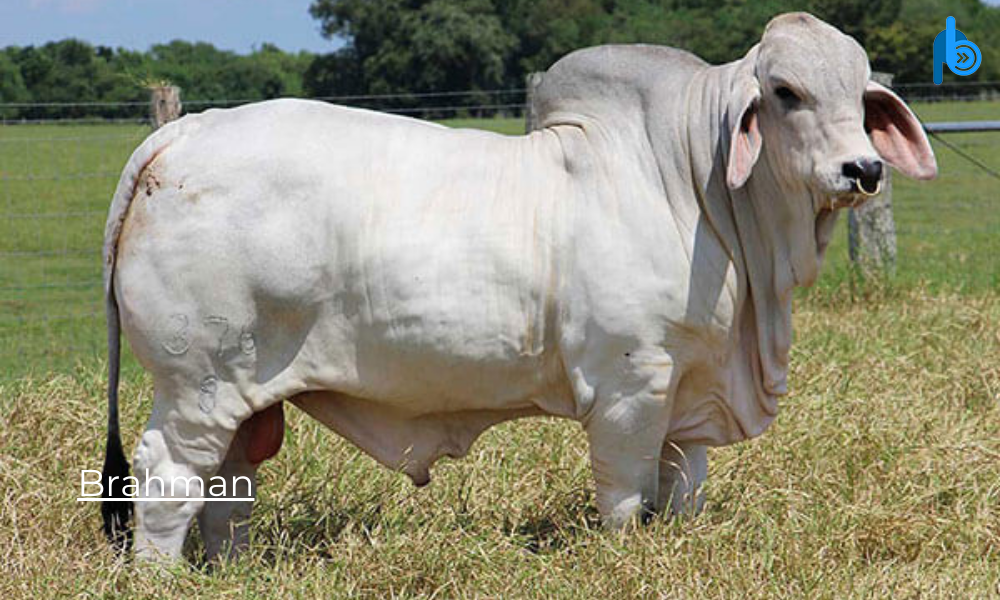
x=951, y=47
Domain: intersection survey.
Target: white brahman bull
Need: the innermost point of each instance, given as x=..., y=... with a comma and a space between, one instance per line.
x=629, y=265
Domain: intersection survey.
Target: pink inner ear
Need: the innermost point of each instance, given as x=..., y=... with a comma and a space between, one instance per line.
x=744, y=149
x=897, y=135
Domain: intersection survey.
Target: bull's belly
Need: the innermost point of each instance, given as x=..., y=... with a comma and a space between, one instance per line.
x=432, y=365
x=400, y=440
x=409, y=395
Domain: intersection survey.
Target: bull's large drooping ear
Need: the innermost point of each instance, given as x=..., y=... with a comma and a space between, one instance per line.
x=744, y=137
x=896, y=133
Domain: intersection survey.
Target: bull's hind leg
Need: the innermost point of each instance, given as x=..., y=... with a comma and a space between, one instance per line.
x=184, y=445
x=683, y=469
x=226, y=525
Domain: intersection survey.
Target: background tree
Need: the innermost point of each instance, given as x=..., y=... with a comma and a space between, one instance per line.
x=419, y=46
x=12, y=88
x=334, y=74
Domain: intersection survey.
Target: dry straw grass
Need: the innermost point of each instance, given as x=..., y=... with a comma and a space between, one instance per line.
x=881, y=479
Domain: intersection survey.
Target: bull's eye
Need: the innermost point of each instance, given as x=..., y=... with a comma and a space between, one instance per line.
x=789, y=98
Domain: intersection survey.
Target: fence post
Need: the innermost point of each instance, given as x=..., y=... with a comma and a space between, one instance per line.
x=871, y=230
x=164, y=104
x=532, y=82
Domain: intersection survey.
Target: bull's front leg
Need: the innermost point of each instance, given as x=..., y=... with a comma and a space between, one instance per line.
x=626, y=431
x=683, y=469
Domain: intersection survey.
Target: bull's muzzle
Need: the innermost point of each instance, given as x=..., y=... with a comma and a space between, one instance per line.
x=865, y=175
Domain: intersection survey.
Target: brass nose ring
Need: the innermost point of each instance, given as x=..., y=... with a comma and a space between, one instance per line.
x=878, y=188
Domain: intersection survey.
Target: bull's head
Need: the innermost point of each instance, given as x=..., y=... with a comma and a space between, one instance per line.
x=811, y=133
x=804, y=99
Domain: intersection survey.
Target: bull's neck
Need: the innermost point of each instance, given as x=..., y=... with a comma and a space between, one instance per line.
x=748, y=221
x=705, y=133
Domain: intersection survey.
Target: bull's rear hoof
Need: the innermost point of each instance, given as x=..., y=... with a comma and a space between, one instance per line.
x=420, y=478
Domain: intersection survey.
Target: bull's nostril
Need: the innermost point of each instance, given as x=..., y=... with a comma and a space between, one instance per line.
x=872, y=169
x=866, y=174
x=851, y=170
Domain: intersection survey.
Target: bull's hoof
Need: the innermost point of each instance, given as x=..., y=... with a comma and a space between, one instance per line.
x=420, y=478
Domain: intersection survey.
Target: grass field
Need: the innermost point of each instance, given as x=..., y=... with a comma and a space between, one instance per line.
x=881, y=477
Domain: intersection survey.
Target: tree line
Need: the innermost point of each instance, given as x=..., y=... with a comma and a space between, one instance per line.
x=420, y=46
x=93, y=79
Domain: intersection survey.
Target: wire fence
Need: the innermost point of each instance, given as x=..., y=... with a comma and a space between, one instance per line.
x=951, y=91
x=59, y=167
x=426, y=105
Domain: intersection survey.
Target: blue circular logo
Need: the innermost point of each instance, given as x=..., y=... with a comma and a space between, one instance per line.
x=965, y=58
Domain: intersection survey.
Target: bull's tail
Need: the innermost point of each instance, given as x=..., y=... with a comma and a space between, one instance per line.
x=118, y=513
